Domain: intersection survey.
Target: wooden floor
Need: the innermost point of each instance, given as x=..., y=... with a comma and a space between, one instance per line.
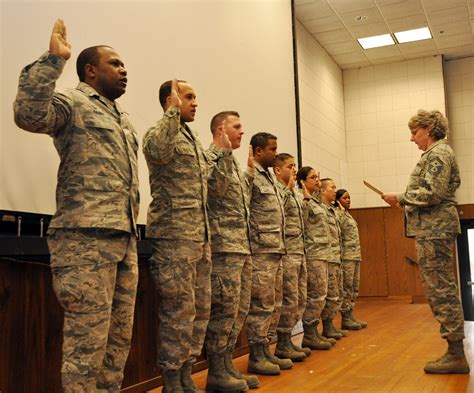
x=388, y=356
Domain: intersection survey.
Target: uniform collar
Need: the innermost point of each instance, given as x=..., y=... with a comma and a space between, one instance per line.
x=440, y=142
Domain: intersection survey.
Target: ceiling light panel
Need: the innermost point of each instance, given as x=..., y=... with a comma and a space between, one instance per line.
x=413, y=35
x=376, y=41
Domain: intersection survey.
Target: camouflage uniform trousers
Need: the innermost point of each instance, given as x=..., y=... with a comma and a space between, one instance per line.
x=435, y=258
x=244, y=302
x=226, y=284
x=317, y=289
x=334, y=296
x=350, y=284
x=95, y=277
x=292, y=295
x=181, y=271
x=262, y=304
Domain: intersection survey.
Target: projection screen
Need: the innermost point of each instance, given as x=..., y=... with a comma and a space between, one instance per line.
x=237, y=54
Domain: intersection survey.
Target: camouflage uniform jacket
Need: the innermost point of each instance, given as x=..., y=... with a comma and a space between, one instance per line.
x=97, y=179
x=334, y=234
x=429, y=201
x=267, y=217
x=316, y=229
x=179, y=170
x=350, y=248
x=294, y=223
x=229, y=209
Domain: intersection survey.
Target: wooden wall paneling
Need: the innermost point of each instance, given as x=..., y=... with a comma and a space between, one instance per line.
x=466, y=212
x=373, y=281
x=403, y=277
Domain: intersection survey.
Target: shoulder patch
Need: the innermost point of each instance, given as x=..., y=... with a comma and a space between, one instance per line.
x=435, y=166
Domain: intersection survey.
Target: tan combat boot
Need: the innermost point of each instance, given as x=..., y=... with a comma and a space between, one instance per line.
x=361, y=323
x=297, y=348
x=329, y=330
x=258, y=362
x=186, y=380
x=347, y=322
x=284, y=364
x=219, y=379
x=284, y=349
x=452, y=362
x=311, y=339
x=171, y=381
x=252, y=380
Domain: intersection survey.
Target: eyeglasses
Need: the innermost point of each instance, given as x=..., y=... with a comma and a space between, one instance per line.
x=415, y=131
x=313, y=177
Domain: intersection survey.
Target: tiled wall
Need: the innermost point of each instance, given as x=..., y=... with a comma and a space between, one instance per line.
x=321, y=108
x=379, y=100
x=459, y=76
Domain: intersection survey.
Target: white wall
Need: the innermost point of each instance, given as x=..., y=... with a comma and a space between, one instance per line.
x=321, y=109
x=379, y=100
x=460, y=97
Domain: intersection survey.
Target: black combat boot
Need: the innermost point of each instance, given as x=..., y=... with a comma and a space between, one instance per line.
x=252, y=380
x=284, y=349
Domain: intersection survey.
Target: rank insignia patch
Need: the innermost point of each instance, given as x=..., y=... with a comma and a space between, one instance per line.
x=435, y=166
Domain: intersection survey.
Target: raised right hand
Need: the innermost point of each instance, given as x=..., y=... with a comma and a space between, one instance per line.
x=306, y=194
x=58, y=44
x=174, y=96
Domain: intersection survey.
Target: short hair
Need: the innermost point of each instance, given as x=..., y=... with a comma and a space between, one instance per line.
x=220, y=117
x=88, y=56
x=434, y=120
x=340, y=193
x=260, y=139
x=302, y=174
x=281, y=158
x=325, y=181
x=165, y=91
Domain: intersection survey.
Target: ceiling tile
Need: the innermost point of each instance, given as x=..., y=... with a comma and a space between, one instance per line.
x=333, y=36
x=407, y=23
x=385, y=51
x=347, y=66
x=372, y=15
x=451, y=15
x=402, y=9
x=449, y=29
x=316, y=9
x=369, y=30
x=454, y=40
x=388, y=2
x=344, y=6
x=385, y=60
x=466, y=50
x=418, y=46
x=420, y=54
x=323, y=24
x=435, y=5
x=342, y=47
x=353, y=57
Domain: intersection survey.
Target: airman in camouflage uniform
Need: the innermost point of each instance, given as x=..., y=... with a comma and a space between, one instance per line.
x=267, y=240
x=317, y=241
x=92, y=235
x=334, y=296
x=351, y=259
x=293, y=289
x=178, y=227
x=432, y=219
x=231, y=276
